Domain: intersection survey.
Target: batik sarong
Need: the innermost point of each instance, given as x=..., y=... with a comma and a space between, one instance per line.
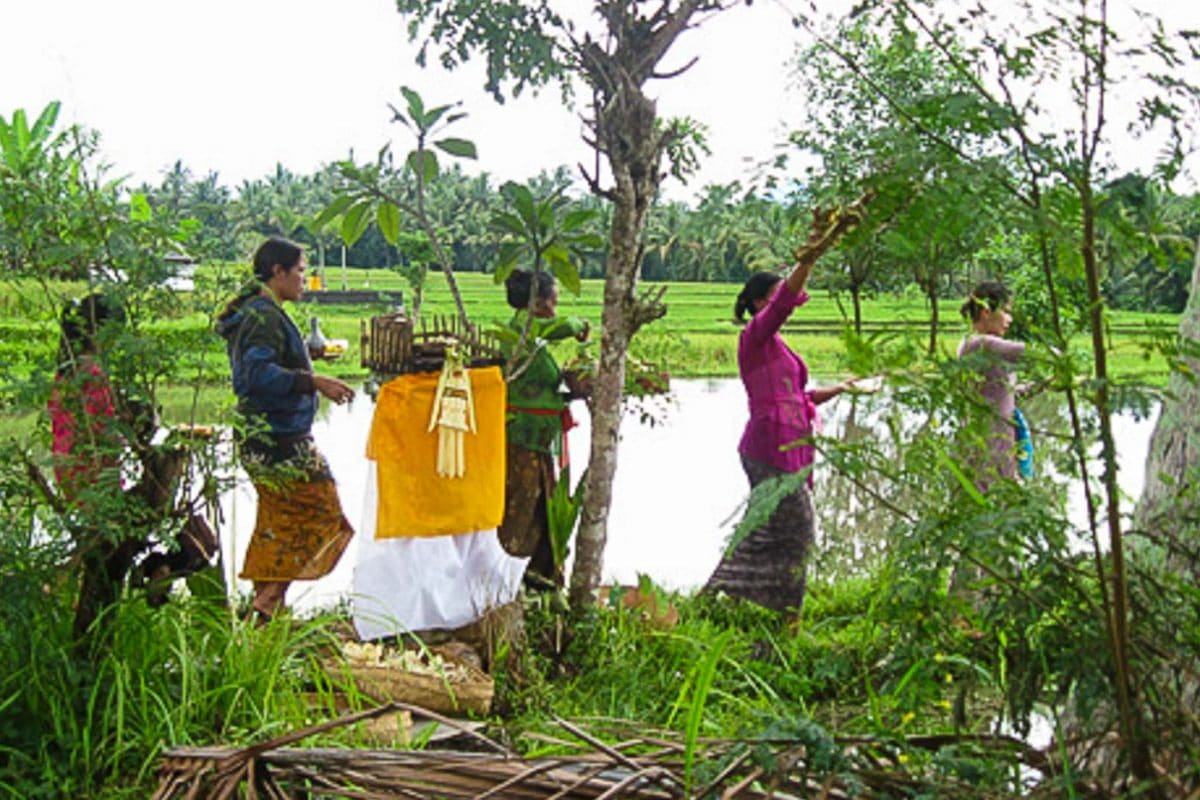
x=768, y=566
x=300, y=531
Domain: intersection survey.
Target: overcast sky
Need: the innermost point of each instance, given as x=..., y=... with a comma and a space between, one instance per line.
x=238, y=85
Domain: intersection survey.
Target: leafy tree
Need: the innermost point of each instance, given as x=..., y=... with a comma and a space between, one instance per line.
x=884, y=113
x=528, y=44
x=462, y=204
x=205, y=203
x=376, y=192
x=1015, y=73
x=416, y=253
x=547, y=233
x=1146, y=239
x=714, y=234
x=664, y=241
x=118, y=242
x=38, y=165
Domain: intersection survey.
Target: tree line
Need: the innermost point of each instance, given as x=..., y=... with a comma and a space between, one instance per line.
x=725, y=233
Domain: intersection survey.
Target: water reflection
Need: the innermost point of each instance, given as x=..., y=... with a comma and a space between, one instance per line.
x=679, y=485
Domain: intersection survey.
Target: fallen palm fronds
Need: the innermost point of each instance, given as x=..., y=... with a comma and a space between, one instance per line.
x=647, y=765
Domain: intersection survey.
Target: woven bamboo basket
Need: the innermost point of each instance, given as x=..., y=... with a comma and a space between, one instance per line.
x=395, y=344
x=453, y=694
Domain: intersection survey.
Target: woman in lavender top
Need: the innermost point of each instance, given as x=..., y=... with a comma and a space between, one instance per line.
x=768, y=566
x=989, y=310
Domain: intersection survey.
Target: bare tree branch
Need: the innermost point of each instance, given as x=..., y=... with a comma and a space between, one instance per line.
x=675, y=73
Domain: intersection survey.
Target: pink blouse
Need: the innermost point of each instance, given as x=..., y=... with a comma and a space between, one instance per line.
x=782, y=410
x=76, y=454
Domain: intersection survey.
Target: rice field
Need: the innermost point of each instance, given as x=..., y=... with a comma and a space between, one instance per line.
x=698, y=336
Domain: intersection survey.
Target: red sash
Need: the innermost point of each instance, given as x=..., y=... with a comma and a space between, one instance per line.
x=568, y=422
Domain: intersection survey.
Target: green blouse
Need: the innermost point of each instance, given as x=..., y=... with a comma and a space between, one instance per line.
x=537, y=388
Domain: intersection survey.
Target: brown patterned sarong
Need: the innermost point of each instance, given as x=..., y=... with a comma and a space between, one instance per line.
x=768, y=566
x=525, y=530
x=300, y=531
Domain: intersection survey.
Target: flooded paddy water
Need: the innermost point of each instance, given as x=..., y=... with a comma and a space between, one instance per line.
x=678, y=492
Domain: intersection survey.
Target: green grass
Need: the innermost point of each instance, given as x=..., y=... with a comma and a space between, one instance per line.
x=728, y=668
x=190, y=674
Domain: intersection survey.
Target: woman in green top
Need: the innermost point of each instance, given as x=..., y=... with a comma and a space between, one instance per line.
x=538, y=419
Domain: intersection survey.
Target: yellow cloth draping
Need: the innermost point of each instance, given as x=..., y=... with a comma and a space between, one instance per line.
x=413, y=499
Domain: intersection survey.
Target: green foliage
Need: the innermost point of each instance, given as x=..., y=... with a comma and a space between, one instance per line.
x=723, y=234
x=182, y=675
x=966, y=607
x=1147, y=244
x=547, y=232
x=701, y=680
x=376, y=192
x=77, y=702
x=687, y=139
x=562, y=512
x=379, y=192
x=22, y=146
x=521, y=40
x=728, y=668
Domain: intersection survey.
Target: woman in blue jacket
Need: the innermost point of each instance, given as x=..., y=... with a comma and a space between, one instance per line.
x=300, y=531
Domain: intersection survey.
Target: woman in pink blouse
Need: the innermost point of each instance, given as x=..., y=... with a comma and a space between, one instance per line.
x=768, y=566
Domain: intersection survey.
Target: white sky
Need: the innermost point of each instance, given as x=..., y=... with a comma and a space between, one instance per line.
x=238, y=85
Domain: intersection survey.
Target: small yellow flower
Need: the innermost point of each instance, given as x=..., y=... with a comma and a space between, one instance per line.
x=907, y=718
x=903, y=758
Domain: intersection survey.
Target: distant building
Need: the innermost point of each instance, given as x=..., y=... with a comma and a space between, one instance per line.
x=183, y=271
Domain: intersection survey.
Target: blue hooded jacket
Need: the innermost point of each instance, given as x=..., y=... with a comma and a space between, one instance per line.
x=272, y=373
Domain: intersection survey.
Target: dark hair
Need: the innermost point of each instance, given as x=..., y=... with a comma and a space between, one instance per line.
x=992, y=294
x=80, y=322
x=521, y=281
x=275, y=250
x=758, y=287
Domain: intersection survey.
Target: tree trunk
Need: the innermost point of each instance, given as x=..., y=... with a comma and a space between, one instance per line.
x=933, y=314
x=634, y=147
x=856, y=299
x=1133, y=731
x=627, y=131
x=1175, y=447
x=629, y=218
x=1166, y=515
x=107, y=560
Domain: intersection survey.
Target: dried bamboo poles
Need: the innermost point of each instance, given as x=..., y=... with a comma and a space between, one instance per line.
x=647, y=764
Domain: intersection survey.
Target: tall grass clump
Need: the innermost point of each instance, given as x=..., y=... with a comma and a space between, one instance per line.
x=91, y=723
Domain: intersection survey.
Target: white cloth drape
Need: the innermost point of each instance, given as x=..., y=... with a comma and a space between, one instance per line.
x=423, y=583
